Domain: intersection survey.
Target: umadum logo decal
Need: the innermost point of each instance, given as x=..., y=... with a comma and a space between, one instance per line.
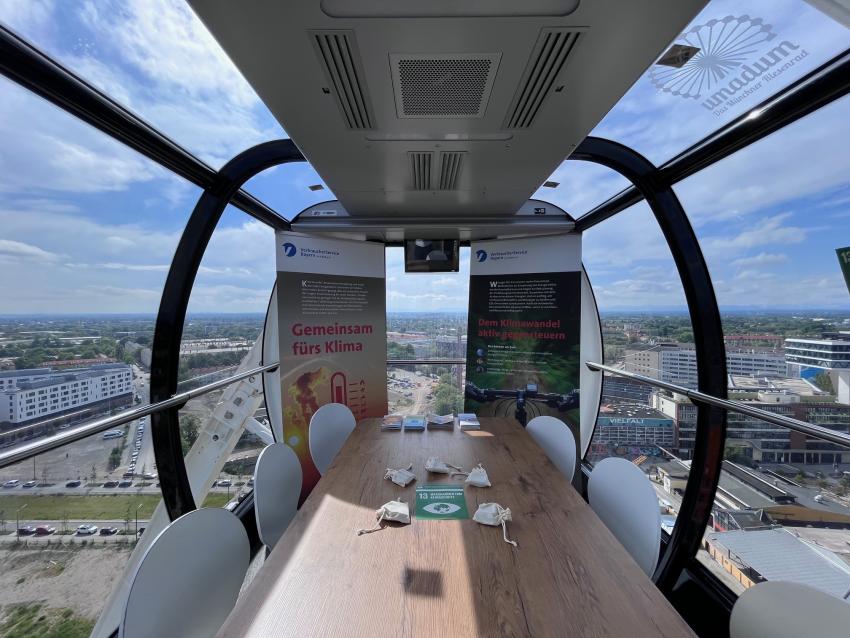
x=481, y=255
x=289, y=249
x=737, y=56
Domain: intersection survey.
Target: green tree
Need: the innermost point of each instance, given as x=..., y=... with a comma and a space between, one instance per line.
x=824, y=382
x=189, y=428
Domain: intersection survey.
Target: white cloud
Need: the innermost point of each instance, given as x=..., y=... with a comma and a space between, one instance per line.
x=767, y=231
x=25, y=14
x=762, y=259
x=11, y=250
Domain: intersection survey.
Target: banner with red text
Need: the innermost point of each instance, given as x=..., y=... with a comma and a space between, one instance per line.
x=524, y=329
x=332, y=333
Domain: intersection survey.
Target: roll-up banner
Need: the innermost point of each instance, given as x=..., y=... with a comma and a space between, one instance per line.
x=332, y=333
x=523, y=338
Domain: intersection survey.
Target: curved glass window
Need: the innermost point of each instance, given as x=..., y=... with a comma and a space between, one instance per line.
x=157, y=59
x=743, y=52
x=89, y=231
x=747, y=51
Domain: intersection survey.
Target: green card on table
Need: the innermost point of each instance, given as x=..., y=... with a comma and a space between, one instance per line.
x=441, y=502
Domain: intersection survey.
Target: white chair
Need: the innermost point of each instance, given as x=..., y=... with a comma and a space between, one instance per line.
x=788, y=610
x=622, y=496
x=277, y=487
x=556, y=439
x=189, y=578
x=329, y=428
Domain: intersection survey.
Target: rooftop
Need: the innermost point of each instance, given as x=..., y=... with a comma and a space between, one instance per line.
x=60, y=376
x=754, y=384
x=630, y=411
x=778, y=554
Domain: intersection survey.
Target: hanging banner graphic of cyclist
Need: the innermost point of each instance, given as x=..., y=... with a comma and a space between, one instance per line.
x=332, y=333
x=523, y=336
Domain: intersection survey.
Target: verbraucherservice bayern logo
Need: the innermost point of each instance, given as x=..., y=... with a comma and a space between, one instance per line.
x=289, y=249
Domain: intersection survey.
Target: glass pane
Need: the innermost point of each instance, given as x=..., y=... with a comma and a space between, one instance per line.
x=157, y=59
x=769, y=231
x=68, y=518
x=781, y=511
x=581, y=186
x=290, y=188
x=425, y=389
x=643, y=311
x=426, y=312
x=89, y=230
x=747, y=51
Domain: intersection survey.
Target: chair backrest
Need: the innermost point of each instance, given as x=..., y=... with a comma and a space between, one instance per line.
x=788, y=610
x=556, y=439
x=189, y=578
x=329, y=428
x=622, y=496
x=277, y=486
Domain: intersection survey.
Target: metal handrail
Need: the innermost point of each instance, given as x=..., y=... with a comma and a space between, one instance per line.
x=432, y=362
x=94, y=427
x=734, y=406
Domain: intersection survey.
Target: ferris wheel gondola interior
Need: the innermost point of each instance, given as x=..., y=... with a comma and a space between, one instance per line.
x=522, y=152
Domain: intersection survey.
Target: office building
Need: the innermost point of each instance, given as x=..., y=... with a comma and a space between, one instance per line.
x=807, y=358
x=628, y=424
x=673, y=363
x=758, y=440
x=32, y=395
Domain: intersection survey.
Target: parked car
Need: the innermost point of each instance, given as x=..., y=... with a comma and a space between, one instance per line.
x=111, y=484
x=148, y=476
x=128, y=475
x=44, y=530
x=141, y=530
x=12, y=483
x=108, y=531
x=86, y=530
x=224, y=483
x=125, y=484
x=251, y=482
x=73, y=484
x=30, y=484
x=26, y=530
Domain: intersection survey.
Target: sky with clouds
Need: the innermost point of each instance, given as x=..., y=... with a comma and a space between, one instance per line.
x=90, y=226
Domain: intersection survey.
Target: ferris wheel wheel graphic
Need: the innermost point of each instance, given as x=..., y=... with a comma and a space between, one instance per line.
x=724, y=46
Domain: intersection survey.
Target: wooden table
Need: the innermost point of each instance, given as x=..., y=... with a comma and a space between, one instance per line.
x=446, y=579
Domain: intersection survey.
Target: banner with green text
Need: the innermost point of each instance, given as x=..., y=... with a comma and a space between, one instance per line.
x=332, y=333
x=523, y=337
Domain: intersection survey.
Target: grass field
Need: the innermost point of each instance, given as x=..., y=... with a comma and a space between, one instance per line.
x=31, y=621
x=95, y=508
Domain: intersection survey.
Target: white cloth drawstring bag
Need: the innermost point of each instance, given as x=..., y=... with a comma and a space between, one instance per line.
x=401, y=477
x=478, y=477
x=495, y=515
x=435, y=465
x=397, y=511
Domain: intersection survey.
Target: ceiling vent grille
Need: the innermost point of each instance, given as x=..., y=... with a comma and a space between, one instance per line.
x=551, y=51
x=337, y=51
x=443, y=86
x=451, y=163
x=420, y=170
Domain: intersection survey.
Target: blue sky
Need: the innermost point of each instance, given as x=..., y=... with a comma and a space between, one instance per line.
x=90, y=226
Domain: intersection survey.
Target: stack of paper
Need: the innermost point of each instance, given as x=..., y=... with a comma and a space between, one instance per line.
x=391, y=422
x=414, y=423
x=468, y=421
x=441, y=422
